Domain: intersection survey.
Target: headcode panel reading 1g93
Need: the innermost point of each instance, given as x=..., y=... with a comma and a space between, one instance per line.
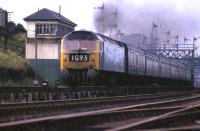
x=80, y=57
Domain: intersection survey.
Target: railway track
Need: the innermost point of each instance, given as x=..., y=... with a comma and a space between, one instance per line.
x=186, y=118
x=16, y=111
x=30, y=94
x=101, y=118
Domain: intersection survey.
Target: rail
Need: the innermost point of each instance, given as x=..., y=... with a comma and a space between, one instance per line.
x=85, y=120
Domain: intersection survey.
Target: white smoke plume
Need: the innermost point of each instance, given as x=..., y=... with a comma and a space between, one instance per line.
x=137, y=17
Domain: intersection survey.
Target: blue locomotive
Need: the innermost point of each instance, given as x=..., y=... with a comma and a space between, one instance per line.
x=92, y=58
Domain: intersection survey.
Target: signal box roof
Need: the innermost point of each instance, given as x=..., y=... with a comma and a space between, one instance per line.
x=48, y=15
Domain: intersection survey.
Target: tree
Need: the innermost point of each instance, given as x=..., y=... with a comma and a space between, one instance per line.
x=20, y=28
x=11, y=28
x=1, y=31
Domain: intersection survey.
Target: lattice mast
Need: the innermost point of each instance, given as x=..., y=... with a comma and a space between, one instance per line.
x=154, y=40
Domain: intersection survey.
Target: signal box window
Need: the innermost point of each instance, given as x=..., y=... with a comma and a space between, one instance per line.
x=46, y=29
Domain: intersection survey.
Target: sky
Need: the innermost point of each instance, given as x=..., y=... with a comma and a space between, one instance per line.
x=179, y=16
x=79, y=11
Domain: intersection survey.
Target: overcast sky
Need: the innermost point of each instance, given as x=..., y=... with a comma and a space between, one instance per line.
x=78, y=11
x=82, y=11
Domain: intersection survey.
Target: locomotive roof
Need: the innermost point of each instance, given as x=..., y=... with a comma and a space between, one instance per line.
x=81, y=35
x=110, y=40
x=89, y=35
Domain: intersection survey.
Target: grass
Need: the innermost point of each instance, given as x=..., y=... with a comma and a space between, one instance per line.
x=13, y=60
x=19, y=83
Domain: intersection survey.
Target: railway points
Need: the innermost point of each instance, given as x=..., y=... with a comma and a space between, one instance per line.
x=88, y=119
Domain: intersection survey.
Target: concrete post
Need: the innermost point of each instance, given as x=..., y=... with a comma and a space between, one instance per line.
x=12, y=97
x=30, y=97
x=50, y=96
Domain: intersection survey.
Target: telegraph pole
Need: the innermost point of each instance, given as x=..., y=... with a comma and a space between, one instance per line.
x=5, y=26
x=36, y=60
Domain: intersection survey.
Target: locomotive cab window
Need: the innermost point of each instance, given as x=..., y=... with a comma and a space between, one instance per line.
x=79, y=45
x=80, y=40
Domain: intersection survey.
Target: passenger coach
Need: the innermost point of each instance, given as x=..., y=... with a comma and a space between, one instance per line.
x=92, y=58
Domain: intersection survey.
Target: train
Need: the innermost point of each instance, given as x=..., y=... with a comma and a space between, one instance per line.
x=95, y=59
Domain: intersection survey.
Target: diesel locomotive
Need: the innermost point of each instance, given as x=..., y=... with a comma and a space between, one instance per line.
x=92, y=58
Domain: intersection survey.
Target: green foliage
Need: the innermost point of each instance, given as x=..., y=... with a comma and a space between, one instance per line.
x=12, y=60
x=16, y=38
x=13, y=83
x=20, y=28
x=1, y=31
x=14, y=68
x=16, y=43
x=12, y=28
